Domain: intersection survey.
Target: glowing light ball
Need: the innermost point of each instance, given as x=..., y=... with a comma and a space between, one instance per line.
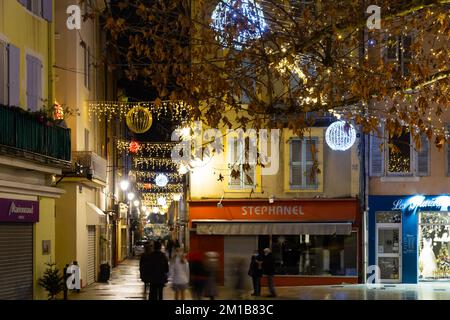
x=162, y=201
x=340, y=136
x=139, y=119
x=161, y=180
x=134, y=147
x=246, y=14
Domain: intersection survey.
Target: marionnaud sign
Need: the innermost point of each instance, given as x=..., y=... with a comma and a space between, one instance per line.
x=440, y=203
x=19, y=211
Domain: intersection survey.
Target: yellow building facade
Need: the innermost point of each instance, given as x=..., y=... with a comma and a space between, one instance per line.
x=33, y=150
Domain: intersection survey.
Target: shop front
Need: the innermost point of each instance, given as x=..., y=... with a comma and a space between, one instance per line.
x=313, y=242
x=409, y=237
x=17, y=220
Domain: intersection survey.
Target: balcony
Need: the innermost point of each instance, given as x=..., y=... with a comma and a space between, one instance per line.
x=31, y=137
x=92, y=165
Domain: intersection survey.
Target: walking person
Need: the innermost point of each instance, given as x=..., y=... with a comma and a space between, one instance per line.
x=255, y=271
x=212, y=268
x=154, y=267
x=198, y=275
x=268, y=266
x=179, y=273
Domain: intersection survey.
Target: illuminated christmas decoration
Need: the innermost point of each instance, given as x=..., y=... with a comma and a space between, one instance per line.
x=154, y=163
x=58, y=113
x=162, y=201
x=183, y=169
x=146, y=186
x=156, y=149
x=139, y=119
x=175, y=110
x=340, y=136
x=134, y=147
x=246, y=15
x=161, y=180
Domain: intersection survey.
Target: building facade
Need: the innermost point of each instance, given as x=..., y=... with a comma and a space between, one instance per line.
x=87, y=213
x=309, y=218
x=34, y=147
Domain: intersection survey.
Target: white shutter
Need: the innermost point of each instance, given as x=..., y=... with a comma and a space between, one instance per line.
x=376, y=155
x=39, y=67
x=14, y=75
x=91, y=255
x=423, y=157
x=296, y=169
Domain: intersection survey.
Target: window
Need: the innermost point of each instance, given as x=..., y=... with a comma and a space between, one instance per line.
x=4, y=71
x=398, y=51
x=399, y=154
x=35, y=6
x=34, y=83
x=303, y=157
x=315, y=255
x=242, y=174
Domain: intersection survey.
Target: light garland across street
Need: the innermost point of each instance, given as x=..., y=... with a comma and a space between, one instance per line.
x=117, y=109
x=153, y=148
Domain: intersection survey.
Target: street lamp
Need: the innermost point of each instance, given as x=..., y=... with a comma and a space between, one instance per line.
x=124, y=185
x=131, y=196
x=136, y=203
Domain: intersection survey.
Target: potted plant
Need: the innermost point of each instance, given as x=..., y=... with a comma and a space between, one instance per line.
x=52, y=281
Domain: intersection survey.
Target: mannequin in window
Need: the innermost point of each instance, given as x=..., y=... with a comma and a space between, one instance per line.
x=427, y=259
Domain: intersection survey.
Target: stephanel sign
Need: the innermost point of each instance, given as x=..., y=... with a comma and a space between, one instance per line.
x=19, y=210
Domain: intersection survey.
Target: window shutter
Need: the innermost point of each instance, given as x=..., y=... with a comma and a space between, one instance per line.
x=47, y=10
x=423, y=156
x=23, y=2
x=296, y=175
x=376, y=156
x=3, y=73
x=448, y=155
x=14, y=75
x=30, y=84
x=38, y=68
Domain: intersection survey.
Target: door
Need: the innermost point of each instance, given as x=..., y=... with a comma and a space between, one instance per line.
x=388, y=251
x=16, y=261
x=91, y=255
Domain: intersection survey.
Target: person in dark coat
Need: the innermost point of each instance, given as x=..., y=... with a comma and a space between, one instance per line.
x=154, y=267
x=198, y=275
x=256, y=271
x=269, y=270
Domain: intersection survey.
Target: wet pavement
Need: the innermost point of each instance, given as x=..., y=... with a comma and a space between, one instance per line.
x=125, y=284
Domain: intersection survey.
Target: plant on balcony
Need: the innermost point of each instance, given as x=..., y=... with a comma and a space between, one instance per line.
x=52, y=281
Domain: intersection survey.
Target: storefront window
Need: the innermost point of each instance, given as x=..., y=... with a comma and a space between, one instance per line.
x=315, y=255
x=434, y=245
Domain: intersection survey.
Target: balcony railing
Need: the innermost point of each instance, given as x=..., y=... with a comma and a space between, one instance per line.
x=25, y=134
x=92, y=162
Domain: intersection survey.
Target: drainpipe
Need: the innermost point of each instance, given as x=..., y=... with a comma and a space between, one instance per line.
x=366, y=208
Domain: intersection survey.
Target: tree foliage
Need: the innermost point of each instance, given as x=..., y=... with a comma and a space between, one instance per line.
x=312, y=58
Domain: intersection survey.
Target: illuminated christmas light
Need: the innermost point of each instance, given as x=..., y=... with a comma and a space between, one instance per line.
x=246, y=15
x=161, y=180
x=340, y=136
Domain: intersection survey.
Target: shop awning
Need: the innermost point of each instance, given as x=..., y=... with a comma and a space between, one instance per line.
x=94, y=216
x=218, y=228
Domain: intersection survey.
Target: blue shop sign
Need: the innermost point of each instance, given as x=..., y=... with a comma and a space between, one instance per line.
x=409, y=206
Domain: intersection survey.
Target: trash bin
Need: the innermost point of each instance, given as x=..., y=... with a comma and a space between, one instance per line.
x=105, y=272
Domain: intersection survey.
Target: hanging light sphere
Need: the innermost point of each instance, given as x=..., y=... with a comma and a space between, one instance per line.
x=340, y=136
x=161, y=180
x=139, y=119
x=162, y=201
x=134, y=147
x=247, y=15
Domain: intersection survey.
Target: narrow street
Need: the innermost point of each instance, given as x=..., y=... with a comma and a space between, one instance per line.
x=125, y=284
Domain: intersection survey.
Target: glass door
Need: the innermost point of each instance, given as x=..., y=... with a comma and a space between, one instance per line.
x=388, y=250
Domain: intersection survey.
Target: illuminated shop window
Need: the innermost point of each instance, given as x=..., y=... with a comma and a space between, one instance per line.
x=314, y=255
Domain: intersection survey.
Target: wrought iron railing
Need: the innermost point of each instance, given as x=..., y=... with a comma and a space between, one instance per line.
x=21, y=131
